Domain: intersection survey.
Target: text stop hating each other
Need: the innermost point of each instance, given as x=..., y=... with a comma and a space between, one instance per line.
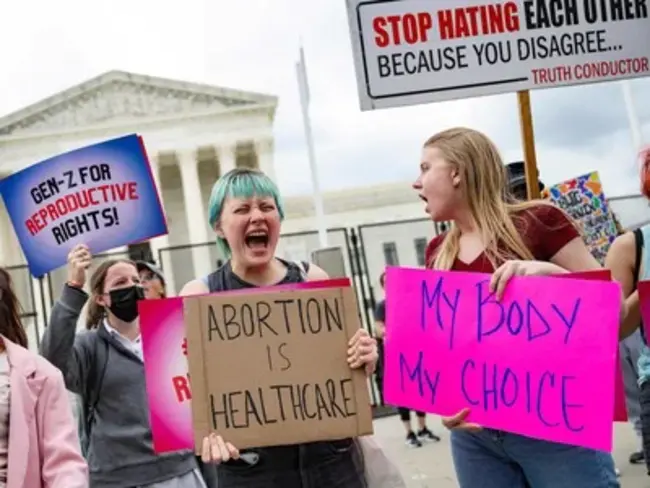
x=483, y=20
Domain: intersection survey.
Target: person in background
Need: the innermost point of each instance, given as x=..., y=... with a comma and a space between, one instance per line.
x=423, y=433
x=152, y=280
x=517, y=181
x=462, y=179
x=39, y=447
x=105, y=367
x=629, y=260
x=630, y=351
x=246, y=212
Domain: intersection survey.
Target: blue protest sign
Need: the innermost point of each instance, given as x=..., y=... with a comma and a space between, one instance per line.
x=102, y=195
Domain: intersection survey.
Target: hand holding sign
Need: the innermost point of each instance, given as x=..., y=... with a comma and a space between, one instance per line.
x=512, y=268
x=216, y=450
x=79, y=260
x=458, y=422
x=363, y=351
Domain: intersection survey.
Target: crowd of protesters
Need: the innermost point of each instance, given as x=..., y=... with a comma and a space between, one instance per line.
x=461, y=180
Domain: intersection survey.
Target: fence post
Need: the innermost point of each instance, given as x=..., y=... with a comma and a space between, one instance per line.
x=359, y=275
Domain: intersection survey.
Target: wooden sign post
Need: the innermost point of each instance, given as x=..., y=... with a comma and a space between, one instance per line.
x=528, y=141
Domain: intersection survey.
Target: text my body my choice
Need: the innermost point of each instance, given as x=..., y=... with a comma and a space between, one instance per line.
x=485, y=380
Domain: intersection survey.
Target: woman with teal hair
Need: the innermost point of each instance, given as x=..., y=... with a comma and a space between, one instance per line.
x=246, y=212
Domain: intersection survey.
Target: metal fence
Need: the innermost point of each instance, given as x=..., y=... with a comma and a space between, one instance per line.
x=367, y=250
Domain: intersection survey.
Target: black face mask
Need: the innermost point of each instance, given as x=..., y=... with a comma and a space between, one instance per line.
x=124, y=302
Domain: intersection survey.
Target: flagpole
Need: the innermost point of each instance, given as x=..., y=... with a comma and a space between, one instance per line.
x=303, y=88
x=633, y=119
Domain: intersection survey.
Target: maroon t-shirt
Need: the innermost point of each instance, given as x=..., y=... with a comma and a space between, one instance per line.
x=545, y=230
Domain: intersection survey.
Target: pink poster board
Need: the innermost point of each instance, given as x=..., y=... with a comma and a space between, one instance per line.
x=534, y=364
x=620, y=409
x=165, y=365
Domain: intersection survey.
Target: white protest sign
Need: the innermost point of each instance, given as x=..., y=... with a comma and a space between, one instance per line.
x=409, y=52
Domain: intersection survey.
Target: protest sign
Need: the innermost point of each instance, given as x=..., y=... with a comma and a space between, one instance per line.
x=271, y=369
x=620, y=408
x=584, y=200
x=102, y=195
x=166, y=370
x=408, y=52
x=532, y=364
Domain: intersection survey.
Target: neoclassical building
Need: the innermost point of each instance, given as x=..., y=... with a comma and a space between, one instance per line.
x=192, y=133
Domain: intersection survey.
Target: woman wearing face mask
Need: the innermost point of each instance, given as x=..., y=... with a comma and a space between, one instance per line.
x=38, y=443
x=463, y=180
x=105, y=367
x=246, y=211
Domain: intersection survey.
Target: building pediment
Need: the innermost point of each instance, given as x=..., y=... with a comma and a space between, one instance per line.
x=119, y=96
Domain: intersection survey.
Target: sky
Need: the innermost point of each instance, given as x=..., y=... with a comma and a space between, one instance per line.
x=47, y=46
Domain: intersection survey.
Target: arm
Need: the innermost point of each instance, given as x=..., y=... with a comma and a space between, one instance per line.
x=194, y=287
x=620, y=261
x=574, y=257
x=316, y=273
x=63, y=466
x=61, y=345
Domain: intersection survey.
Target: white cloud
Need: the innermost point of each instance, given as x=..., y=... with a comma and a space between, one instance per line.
x=253, y=44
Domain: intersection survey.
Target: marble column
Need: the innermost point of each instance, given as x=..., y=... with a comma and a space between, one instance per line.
x=227, y=155
x=264, y=151
x=195, y=213
x=164, y=259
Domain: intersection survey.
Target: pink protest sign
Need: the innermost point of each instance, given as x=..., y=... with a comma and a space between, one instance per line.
x=539, y=363
x=165, y=365
x=620, y=409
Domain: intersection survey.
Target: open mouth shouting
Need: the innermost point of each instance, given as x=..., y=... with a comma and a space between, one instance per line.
x=257, y=240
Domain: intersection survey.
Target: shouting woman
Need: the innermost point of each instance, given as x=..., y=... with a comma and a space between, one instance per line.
x=245, y=210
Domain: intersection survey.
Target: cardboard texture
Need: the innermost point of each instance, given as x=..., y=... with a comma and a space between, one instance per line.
x=271, y=369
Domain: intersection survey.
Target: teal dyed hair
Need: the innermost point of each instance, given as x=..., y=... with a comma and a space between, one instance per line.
x=240, y=183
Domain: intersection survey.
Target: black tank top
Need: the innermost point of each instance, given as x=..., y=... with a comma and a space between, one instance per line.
x=224, y=279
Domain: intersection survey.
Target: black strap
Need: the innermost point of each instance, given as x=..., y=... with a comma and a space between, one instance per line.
x=638, y=245
x=638, y=241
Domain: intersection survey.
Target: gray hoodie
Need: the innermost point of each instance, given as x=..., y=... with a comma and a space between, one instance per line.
x=121, y=451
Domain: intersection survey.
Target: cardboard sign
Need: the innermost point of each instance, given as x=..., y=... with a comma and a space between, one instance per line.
x=408, y=52
x=584, y=200
x=532, y=364
x=166, y=367
x=271, y=369
x=102, y=195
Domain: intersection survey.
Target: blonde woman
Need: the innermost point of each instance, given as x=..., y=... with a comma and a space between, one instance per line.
x=462, y=179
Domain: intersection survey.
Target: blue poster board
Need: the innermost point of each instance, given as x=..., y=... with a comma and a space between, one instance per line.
x=103, y=196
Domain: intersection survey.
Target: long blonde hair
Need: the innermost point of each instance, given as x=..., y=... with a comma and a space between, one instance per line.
x=484, y=183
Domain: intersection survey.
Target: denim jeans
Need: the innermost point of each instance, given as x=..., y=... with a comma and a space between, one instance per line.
x=495, y=459
x=336, y=464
